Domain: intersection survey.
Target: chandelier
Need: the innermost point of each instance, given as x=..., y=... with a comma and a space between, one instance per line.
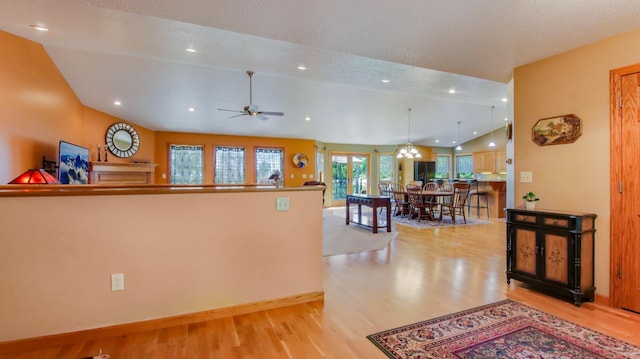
x=409, y=150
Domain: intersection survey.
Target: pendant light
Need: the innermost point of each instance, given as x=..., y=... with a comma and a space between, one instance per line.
x=409, y=150
x=492, y=144
x=459, y=147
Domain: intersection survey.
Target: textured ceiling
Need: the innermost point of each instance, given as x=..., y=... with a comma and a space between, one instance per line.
x=134, y=51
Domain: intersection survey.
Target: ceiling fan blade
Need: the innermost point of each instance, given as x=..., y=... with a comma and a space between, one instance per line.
x=242, y=114
x=262, y=117
x=272, y=113
x=223, y=109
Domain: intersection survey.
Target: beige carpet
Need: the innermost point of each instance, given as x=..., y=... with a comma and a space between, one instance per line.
x=338, y=238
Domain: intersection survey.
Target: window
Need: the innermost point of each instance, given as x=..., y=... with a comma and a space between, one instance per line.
x=185, y=163
x=268, y=161
x=229, y=165
x=464, y=166
x=443, y=166
x=385, y=168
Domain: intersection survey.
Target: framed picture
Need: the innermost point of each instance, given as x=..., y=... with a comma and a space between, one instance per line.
x=73, y=162
x=557, y=130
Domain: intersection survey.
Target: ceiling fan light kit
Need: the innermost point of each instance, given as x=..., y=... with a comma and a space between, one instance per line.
x=251, y=109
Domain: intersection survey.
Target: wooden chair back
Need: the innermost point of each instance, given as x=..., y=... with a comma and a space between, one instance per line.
x=430, y=186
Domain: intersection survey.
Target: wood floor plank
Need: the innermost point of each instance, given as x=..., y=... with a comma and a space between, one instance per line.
x=424, y=273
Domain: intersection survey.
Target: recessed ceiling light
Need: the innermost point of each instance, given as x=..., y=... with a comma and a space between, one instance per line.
x=190, y=49
x=117, y=103
x=385, y=81
x=452, y=91
x=504, y=99
x=192, y=109
x=39, y=28
x=454, y=141
x=302, y=67
x=437, y=141
x=307, y=118
x=475, y=132
x=506, y=119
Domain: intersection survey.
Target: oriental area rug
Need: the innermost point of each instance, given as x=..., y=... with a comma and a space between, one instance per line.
x=505, y=329
x=445, y=222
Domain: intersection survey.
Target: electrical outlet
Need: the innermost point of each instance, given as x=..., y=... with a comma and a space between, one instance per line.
x=117, y=281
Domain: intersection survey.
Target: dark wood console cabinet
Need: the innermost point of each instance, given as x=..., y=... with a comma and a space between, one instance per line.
x=553, y=251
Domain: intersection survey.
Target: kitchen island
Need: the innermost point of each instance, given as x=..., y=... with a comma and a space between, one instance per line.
x=497, y=190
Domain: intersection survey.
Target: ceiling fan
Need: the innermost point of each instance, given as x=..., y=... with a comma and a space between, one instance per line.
x=251, y=109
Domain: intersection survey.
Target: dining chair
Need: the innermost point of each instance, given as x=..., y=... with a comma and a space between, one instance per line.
x=457, y=204
x=446, y=200
x=430, y=186
x=430, y=201
x=398, y=199
x=417, y=204
x=384, y=190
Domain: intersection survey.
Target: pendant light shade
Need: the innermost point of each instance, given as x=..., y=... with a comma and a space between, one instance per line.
x=492, y=143
x=35, y=176
x=409, y=150
x=458, y=147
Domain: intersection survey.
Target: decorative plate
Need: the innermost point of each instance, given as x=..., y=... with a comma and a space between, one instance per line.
x=300, y=160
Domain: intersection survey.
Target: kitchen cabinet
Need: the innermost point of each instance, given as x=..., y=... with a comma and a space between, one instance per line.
x=501, y=162
x=552, y=251
x=484, y=161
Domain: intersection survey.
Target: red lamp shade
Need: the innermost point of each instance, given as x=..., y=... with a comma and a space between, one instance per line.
x=35, y=176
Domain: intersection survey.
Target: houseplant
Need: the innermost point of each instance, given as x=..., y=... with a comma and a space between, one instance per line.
x=530, y=200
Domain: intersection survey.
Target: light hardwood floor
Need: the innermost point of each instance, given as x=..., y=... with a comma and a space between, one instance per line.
x=422, y=274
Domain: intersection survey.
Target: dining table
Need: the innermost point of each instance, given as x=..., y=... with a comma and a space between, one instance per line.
x=427, y=197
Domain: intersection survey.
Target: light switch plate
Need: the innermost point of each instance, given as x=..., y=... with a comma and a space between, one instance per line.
x=526, y=177
x=282, y=204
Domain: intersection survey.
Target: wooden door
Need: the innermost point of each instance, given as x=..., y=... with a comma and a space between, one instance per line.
x=625, y=188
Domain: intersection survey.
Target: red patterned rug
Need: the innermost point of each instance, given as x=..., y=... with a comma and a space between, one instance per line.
x=505, y=329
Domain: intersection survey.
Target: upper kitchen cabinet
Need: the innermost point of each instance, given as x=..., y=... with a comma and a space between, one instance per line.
x=490, y=162
x=501, y=162
x=484, y=162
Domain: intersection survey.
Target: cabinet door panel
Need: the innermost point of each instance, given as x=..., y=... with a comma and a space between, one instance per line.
x=525, y=251
x=556, y=262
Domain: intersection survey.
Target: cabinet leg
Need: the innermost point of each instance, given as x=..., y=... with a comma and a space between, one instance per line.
x=577, y=299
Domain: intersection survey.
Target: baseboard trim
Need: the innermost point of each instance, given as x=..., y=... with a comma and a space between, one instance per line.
x=153, y=324
x=602, y=299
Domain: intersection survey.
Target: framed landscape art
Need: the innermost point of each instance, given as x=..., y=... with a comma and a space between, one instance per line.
x=73, y=162
x=557, y=130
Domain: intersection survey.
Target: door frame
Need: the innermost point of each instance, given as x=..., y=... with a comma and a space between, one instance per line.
x=349, y=154
x=616, y=180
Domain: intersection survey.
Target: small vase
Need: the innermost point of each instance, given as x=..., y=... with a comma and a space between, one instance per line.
x=530, y=205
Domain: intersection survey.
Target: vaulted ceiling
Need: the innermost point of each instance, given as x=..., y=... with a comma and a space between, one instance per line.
x=134, y=51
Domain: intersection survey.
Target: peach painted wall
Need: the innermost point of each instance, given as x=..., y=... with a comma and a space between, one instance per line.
x=38, y=109
x=572, y=177
x=95, y=125
x=180, y=253
x=293, y=176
